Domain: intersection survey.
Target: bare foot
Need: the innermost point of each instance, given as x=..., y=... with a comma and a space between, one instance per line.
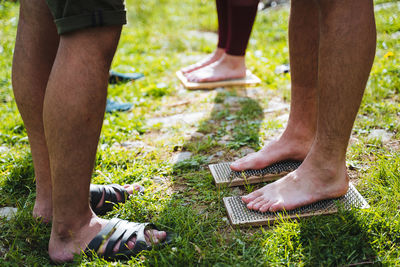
x=308, y=184
x=213, y=57
x=287, y=147
x=43, y=205
x=42, y=211
x=228, y=67
x=63, y=247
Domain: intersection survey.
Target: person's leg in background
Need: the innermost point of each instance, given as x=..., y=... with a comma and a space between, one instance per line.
x=296, y=140
x=223, y=18
x=231, y=65
x=346, y=53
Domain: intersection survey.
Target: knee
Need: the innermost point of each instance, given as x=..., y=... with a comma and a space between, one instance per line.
x=94, y=43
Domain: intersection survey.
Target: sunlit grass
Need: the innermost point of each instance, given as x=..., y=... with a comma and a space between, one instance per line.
x=160, y=38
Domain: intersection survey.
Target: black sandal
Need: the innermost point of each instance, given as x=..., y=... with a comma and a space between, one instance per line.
x=111, y=193
x=121, y=230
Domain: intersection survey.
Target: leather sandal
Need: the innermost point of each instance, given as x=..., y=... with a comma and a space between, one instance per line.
x=111, y=193
x=120, y=230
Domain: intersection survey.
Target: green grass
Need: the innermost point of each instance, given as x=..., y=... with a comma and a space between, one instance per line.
x=181, y=197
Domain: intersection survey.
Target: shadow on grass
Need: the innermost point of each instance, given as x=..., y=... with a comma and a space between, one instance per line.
x=336, y=240
x=195, y=212
x=197, y=215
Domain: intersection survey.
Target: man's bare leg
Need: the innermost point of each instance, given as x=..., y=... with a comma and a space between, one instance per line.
x=346, y=53
x=73, y=113
x=35, y=49
x=296, y=140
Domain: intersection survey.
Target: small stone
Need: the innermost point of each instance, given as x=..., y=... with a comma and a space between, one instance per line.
x=284, y=118
x=135, y=133
x=222, y=142
x=354, y=141
x=115, y=145
x=197, y=135
x=218, y=107
x=226, y=138
x=246, y=150
x=236, y=191
x=282, y=69
x=258, y=53
x=103, y=146
x=158, y=180
x=133, y=144
x=187, y=118
x=162, y=85
x=380, y=134
x=210, y=158
x=181, y=157
x=395, y=35
x=211, y=37
x=274, y=106
x=229, y=127
x=8, y=212
x=219, y=154
x=210, y=135
x=232, y=100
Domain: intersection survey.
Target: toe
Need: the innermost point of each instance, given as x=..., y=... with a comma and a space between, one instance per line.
x=129, y=245
x=250, y=197
x=255, y=202
x=259, y=204
x=131, y=188
x=155, y=236
x=276, y=206
x=265, y=207
x=243, y=163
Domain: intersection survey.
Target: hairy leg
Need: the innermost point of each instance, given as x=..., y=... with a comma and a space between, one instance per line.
x=299, y=134
x=346, y=53
x=35, y=50
x=73, y=113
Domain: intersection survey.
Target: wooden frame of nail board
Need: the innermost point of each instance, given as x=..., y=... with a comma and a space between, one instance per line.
x=250, y=79
x=240, y=216
x=223, y=175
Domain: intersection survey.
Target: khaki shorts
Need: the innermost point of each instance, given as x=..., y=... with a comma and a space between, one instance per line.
x=72, y=15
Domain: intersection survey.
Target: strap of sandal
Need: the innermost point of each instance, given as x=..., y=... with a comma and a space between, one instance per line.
x=110, y=197
x=120, y=230
x=103, y=235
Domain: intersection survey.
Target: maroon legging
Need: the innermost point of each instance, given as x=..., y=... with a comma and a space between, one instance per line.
x=235, y=22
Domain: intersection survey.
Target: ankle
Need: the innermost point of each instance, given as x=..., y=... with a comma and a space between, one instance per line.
x=219, y=52
x=67, y=229
x=333, y=167
x=301, y=138
x=235, y=62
